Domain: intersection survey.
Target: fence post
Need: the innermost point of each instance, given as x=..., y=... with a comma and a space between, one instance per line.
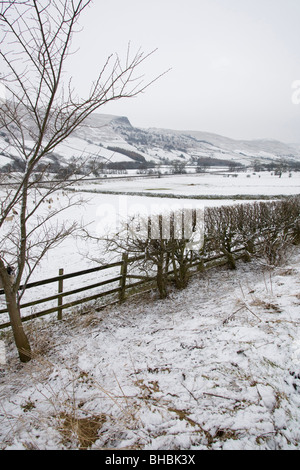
x=123, y=276
x=60, y=298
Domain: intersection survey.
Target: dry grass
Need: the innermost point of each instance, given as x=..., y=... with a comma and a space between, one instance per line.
x=256, y=302
x=84, y=430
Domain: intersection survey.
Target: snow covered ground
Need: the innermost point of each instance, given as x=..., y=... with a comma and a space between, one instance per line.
x=102, y=212
x=206, y=184
x=214, y=366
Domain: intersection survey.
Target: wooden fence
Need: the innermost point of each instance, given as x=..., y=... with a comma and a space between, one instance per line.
x=119, y=293
x=61, y=294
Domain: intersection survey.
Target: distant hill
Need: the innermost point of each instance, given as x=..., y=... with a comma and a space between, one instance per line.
x=112, y=139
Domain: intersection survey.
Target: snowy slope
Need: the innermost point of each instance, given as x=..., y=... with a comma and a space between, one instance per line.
x=215, y=366
x=101, y=131
x=159, y=144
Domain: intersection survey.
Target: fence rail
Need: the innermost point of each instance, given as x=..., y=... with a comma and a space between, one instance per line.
x=119, y=291
x=61, y=293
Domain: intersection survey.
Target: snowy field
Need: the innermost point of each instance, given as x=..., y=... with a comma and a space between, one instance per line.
x=215, y=366
x=206, y=184
x=101, y=214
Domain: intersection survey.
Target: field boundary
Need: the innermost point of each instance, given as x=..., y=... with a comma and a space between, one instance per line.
x=124, y=289
x=240, y=197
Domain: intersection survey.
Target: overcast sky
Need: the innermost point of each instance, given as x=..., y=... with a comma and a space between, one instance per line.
x=233, y=63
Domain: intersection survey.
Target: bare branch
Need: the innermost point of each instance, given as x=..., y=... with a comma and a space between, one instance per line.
x=40, y=112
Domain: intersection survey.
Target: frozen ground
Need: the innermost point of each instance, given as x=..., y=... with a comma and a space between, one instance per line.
x=215, y=366
x=206, y=184
x=102, y=212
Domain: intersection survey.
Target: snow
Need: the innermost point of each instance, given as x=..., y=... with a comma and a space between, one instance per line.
x=206, y=185
x=101, y=213
x=4, y=160
x=180, y=373
x=213, y=366
x=75, y=148
x=2, y=353
x=101, y=131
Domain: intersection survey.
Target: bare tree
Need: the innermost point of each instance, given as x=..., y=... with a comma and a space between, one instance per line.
x=222, y=235
x=40, y=112
x=265, y=228
x=171, y=239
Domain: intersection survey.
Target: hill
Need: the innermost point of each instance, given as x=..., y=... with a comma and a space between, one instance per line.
x=112, y=139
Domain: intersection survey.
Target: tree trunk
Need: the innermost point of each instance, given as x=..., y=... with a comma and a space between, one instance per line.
x=230, y=258
x=180, y=272
x=21, y=339
x=161, y=281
